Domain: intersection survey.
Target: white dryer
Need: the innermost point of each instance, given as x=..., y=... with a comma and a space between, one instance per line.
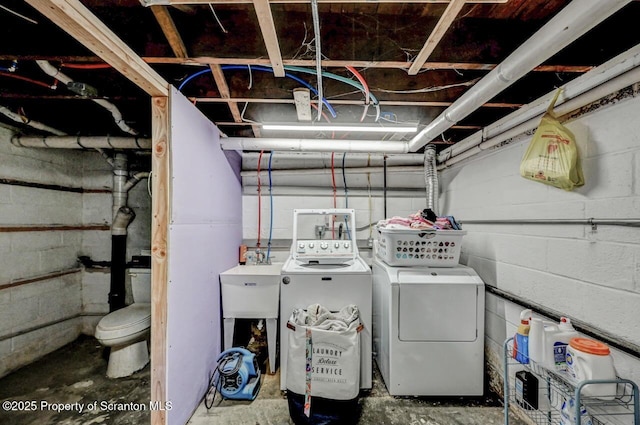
x=331, y=273
x=428, y=329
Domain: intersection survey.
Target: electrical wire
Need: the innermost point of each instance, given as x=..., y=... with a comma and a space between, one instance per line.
x=85, y=65
x=270, y=210
x=29, y=80
x=262, y=69
x=366, y=90
x=340, y=78
x=259, y=200
x=217, y=19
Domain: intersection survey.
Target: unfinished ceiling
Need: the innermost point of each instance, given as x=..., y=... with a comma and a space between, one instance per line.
x=240, y=61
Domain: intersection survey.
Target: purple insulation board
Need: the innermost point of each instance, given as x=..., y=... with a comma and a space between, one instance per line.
x=205, y=232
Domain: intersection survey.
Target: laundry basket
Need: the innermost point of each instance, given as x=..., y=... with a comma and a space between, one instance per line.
x=323, y=366
x=417, y=247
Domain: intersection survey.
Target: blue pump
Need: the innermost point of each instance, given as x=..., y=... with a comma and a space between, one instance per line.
x=237, y=376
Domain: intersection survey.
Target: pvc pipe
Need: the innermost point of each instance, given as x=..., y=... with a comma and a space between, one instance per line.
x=298, y=191
x=293, y=160
x=115, y=112
x=569, y=24
x=601, y=77
x=323, y=171
x=313, y=145
x=35, y=124
x=81, y=142
x=611, y=86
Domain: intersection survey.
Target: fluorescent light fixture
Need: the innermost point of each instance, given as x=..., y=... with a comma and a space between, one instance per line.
x=362, y=128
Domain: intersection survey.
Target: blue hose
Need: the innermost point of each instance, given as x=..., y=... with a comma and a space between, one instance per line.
x=262, y=69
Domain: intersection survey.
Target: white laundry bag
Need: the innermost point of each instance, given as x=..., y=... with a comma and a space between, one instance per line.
x=324, y=352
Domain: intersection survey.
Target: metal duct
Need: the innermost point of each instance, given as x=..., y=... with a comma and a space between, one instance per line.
x=431, y=178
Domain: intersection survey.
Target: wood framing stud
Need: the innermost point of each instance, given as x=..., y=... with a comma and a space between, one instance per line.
x=268, y=28
x=447, y=18
x=170, y=31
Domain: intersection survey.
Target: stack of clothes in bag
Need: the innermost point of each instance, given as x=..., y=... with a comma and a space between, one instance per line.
x=425, y=219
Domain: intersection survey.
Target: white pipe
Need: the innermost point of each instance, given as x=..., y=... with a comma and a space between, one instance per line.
x=288, y=160
x=582, y=87
x=324, y=171
x=135, y=179
x=117, y=116
x=611, y=86
x=120, y=195
x=568, y=25
x=313, y=145
x=80, y=142
x=299, y=191
x=123, y=217
x=35, y=124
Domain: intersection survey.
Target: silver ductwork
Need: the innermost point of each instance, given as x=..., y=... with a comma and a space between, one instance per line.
x=431, y=178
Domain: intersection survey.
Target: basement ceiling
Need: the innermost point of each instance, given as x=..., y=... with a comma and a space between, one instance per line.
x=240, y=61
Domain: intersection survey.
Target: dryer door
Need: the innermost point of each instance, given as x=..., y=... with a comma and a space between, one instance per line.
x=435, y=307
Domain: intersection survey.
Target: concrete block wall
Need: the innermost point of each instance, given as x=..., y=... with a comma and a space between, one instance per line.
x=38, y=317
x=590, y=275
x=42, y=316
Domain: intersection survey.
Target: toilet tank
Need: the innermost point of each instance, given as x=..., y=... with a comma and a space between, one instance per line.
x=140, y=284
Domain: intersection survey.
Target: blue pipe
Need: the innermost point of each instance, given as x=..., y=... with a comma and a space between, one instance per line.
x=262, y=69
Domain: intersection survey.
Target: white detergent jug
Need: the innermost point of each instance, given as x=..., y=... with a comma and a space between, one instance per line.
x=536, y=340
x=558, y=340
x=589, y=359
x=550, y=330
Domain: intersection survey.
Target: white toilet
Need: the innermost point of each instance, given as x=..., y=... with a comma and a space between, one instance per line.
x=126, y=330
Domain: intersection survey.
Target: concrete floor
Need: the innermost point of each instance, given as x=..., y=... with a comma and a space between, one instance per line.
x=76, y=374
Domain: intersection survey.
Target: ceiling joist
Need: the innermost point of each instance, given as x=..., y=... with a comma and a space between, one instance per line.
x=74, y=18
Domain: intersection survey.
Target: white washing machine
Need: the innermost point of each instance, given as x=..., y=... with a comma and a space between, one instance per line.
x=428, y=329
x=329, y=272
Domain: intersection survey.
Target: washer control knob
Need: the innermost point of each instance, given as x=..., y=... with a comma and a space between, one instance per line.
x=346, y=245
x=324, y=245
x=286, y=280
x=336, y=245
x=311, y=245
x=301, y=245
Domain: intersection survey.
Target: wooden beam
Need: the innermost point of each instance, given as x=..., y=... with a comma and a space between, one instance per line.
x=175, y=2
x=223, y=88
x=326, y=63
x=160, y=207
x=265, y=19
x=447, y=18
x=170, y=31
x=207, y=60
x=349, y=102
x=78, y=21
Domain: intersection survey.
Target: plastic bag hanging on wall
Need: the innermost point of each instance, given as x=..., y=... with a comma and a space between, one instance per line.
x=552, y=155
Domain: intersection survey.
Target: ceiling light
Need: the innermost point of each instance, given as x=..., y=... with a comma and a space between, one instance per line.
x=371, y=128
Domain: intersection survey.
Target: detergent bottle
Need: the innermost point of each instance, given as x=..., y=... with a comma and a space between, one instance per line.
x=521, y=338
x=536, y=340
x=566, y=331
